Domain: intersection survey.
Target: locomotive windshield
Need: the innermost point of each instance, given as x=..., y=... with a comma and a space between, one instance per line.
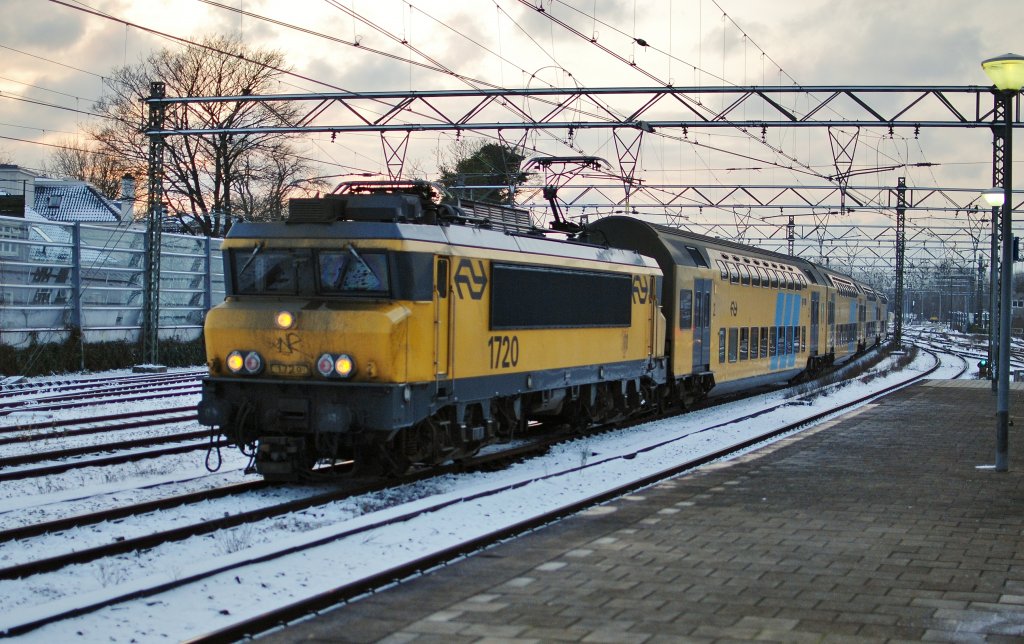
x=345, y=271
x=302, y=271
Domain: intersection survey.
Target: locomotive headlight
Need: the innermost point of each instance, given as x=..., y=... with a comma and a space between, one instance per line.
x=284, y=319
x=343, y=366
x=235, y=361
x=253, y=362
x=340, y=366
x=325, y=365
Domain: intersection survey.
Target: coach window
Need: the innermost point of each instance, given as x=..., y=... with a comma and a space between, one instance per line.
x=764, y=342
x=754, y=342
x=734, y=337
x=723, y=269
x=721, y=346
x=698, y=258
x=686, y=309
x=758, y=276
x=775, y=277
x=744, y=275
x=803, y=339
x=773, y=341
x=744, y=343
x=734, y=273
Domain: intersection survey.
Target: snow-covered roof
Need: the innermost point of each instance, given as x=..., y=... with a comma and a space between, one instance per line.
x=72, y=201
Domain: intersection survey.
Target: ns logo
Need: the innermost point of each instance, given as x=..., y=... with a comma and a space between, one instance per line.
x=472, y=276
x=643, y=289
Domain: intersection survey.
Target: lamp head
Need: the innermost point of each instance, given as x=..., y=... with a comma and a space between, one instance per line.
x=994, y=197
x=1006, y=72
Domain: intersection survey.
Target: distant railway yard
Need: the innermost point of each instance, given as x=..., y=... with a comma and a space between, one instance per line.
x=112, y=522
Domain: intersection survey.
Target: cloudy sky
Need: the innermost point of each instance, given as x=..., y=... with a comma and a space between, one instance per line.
x=57, y=53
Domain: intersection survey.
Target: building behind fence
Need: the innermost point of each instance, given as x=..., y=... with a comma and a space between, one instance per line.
x=58, y=278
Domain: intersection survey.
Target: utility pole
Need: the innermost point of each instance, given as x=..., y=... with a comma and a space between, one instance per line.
x=901, y=242
x=154, y=221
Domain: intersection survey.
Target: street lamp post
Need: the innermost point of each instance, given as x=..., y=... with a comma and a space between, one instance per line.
x=1007, y=74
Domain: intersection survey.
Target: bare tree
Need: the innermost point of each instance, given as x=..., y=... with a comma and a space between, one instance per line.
x=275, y=180
x=76, y=159
x=211, y=180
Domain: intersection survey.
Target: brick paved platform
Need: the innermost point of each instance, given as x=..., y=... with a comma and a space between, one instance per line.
x=876, y=526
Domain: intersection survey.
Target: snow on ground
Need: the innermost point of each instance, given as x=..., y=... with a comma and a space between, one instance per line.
x=218, y=601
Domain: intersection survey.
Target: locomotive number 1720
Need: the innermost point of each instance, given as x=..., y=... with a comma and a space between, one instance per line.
x=504, y=351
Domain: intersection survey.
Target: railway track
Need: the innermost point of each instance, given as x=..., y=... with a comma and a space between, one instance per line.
x=204, y=443
x=62, y=428
x=23, y=432
x=56, y=455
x=81, y=400
x=260, y=623
x=36, y=388
x=346, y=490
x=26, y=434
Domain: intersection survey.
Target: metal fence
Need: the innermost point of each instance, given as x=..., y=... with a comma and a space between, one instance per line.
x=57, y=277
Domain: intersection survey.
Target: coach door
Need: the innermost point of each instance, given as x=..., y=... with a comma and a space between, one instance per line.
x=442, y=317
x=701, y=325
x=815, y=322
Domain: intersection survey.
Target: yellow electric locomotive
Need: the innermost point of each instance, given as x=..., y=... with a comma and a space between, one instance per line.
x=386, y=326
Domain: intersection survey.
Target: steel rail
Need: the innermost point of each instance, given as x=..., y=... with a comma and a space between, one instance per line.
x=74, y=404
x=42, y=457
x=40, y=402
x=67, y=433
x=109, y=460
x=91, y=518
x=28, y=388
x=55, y=423
x=88, y=431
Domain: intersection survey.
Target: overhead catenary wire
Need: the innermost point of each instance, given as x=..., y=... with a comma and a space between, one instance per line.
x=778, y=165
